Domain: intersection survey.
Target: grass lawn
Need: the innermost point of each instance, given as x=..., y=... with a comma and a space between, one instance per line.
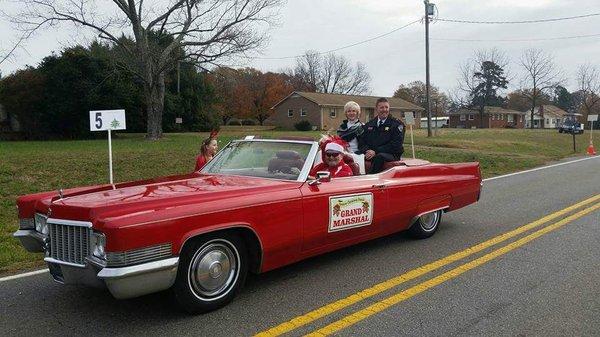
x=28, y=167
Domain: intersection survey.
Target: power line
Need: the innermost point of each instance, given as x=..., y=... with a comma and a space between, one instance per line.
x=519, y=22
x=519, y=40
x=441, y=39
x=344, y=47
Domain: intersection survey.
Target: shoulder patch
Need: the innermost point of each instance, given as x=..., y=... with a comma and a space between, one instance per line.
x=401, y=127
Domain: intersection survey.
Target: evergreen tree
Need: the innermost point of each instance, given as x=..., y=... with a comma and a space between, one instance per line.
x=489, y=79
x=563, y=98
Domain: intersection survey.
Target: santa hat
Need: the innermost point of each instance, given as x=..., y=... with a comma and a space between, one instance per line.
x=334, y=147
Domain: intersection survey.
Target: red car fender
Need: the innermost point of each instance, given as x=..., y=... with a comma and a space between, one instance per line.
x=218, y=227
x=433, y=204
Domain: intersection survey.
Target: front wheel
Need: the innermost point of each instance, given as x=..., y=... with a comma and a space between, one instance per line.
x=426, y=225
x=211, y=273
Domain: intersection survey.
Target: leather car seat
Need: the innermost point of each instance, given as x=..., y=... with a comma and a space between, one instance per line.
x=353, y=165
x=284, y=161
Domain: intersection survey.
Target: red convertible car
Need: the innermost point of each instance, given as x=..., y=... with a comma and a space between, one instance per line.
x=250, y=209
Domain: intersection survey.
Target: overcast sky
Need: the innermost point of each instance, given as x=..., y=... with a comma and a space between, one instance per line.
x=399, y=57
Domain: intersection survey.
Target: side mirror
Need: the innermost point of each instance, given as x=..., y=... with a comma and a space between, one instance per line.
x=321, y=177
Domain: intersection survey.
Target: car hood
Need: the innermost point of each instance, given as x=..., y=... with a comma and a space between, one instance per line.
x=163, y=193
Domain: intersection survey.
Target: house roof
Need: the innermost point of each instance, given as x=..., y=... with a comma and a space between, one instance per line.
x=488, y=110
x=336, y=100
x=552, y=110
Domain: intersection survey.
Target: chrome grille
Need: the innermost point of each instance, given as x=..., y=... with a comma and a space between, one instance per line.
x=137, y=256
x=69, y=243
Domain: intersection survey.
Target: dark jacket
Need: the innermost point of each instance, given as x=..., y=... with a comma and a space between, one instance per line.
x=387, y=138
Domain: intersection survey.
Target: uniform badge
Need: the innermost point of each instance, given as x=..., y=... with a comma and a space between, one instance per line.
x=370, y=128
x=387, y=128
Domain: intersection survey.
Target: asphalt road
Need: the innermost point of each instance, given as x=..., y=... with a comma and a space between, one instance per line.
x=549, y=286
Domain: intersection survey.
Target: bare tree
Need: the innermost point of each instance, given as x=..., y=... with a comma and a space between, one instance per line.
x=588, y=81
x=541, y=77
x=331, y=74
x=308, y=70
x=163, y=33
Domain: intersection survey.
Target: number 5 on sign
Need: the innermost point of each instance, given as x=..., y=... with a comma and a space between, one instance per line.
x=107, y=120
x=103, y=120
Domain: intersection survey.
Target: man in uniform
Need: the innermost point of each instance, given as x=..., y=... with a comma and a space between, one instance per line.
x=382, y=138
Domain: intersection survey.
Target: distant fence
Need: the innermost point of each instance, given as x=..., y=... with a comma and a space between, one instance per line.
x=247, y=127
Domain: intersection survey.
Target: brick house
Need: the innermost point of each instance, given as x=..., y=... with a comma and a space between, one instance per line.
x=326, y=111
x=546, y=117
x=493, y=117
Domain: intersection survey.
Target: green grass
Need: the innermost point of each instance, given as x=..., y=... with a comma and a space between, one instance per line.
x=29, y=167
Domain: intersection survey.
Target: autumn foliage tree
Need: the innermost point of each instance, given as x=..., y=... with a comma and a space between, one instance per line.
x=415, y=92
x=248, y=92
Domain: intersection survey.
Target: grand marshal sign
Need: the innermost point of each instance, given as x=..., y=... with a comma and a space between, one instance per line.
x=349, y=211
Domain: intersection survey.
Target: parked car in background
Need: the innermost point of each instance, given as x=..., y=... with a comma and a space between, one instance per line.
x=571, y=124
x=252, y=208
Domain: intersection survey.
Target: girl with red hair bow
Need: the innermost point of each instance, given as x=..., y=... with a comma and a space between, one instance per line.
x=208, y=149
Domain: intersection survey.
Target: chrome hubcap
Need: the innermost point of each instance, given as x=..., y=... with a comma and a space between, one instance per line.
x=429, y=220
x=214, y=269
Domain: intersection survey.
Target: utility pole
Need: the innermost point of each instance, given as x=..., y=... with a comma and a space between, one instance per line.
x=428, y=9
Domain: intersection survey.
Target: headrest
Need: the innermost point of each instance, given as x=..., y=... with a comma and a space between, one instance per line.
x=348, y=159
x=287, y=154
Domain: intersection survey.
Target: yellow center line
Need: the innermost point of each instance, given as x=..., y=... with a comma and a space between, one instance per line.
x=333, y=307
x=424, y=286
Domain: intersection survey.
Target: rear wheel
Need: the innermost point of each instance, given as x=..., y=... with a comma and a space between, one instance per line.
x=426, y=225
x=211, y=273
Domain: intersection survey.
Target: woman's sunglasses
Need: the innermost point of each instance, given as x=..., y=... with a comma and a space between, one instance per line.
x=332, y=154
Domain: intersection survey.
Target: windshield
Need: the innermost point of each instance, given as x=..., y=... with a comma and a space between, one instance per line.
x=266, y=159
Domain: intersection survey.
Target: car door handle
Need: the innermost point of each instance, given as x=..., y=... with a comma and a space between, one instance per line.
x=379, y=186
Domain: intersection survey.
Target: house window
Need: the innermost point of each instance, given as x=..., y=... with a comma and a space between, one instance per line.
x=303, y=112
x=547, y=121
x=510, y=118
x=332, y=113
x=463, y=118
x=471, y=117
x=290, y=113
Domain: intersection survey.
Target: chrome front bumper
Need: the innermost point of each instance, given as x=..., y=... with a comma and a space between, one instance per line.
x=31, y=240
x=141, y=279
x=122, y=282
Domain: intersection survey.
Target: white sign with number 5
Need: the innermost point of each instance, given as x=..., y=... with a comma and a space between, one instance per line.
x=103, y=120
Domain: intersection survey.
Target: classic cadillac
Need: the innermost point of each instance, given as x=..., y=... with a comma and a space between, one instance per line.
x=252, y=208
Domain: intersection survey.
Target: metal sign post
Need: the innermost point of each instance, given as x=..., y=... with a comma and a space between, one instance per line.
x=409, y=118
x=592, y=119
x=107, y=120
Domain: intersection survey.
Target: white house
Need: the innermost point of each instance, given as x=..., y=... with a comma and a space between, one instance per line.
x=546, y=117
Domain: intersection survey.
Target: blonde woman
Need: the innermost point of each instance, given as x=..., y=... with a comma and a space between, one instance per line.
x=351, y=128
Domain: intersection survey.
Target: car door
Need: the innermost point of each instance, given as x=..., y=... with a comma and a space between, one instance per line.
x=342, y=211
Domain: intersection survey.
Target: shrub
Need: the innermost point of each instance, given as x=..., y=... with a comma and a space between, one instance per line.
x=303, y=125
x=248, y=122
